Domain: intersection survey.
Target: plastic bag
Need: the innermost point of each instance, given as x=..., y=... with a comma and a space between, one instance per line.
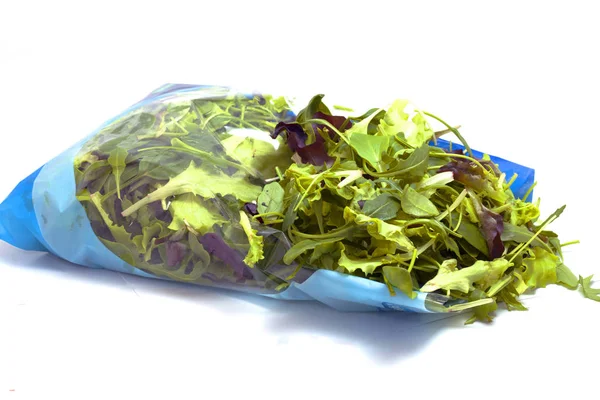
x=96, y=204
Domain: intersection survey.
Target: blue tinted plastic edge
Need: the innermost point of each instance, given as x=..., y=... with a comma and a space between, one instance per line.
x=61, y=218
x=18, y=224
x=350, y=293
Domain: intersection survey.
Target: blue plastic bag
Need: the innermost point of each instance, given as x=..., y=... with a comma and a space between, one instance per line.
x=45, y=212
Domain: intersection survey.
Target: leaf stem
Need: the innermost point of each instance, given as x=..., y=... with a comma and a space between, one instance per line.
x=460, y=156
x=314, y=181
x=430, y=259
x=512, y=180
x=267, y=214
x=327, y=124
x=343, y=108
x=519, y=249
x=412, y=260
x=454, y=130
x=460, y=216
x=454, y=205
x=528, y=191
x=471, y=304
x=444, y=131
x=499, y=285
x=279, y=174
x=341, y=231
x=570, y=243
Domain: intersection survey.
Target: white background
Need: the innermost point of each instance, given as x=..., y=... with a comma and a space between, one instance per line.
x=520, y=77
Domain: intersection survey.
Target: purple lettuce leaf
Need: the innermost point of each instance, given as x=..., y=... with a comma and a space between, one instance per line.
x=176, y=252
x=492, y=226
x=216, y=246
x=466, y=172
x=252, y=209
x=314, y=153
x=338, y=122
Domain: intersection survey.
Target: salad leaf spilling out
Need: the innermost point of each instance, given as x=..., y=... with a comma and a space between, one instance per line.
x=237, y=191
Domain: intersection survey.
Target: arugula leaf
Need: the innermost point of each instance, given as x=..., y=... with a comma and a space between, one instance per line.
x=414, y=203
x=472, y=235
x=565, y=277
x=384, y=207
x=520, y=234
x=305, y=245
x=370, y=148
x=291, y=214
x=509, y=297
x=587, y=290
x=415, y=165
x=399, y=278
x=271, y=198
x=117, y=162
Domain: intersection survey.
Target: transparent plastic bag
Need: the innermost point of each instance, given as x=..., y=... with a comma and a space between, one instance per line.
x=158, y=190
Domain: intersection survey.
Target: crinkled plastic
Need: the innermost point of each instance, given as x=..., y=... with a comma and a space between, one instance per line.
x=73, y=206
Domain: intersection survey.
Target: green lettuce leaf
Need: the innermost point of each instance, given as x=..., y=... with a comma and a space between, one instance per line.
x=587, y=290
x=255, y=254
x=371, y=148
x=198, y=181
x=399, y=278
x=482, y=272
x=540, y=270
x=384, y=207
x=190, y=210
x=416, y=130
x=353, y=264
x=271, y=198
x=117, y=162
x=414, y=203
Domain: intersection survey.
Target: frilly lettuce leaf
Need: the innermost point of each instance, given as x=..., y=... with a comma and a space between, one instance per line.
x=255, y=253
x=540, y=270
x=190, y=210
x=402, y=117
x=353, y=264
x=196, y=180
x=462, y=280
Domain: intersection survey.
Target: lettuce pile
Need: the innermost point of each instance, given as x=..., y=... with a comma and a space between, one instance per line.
x=240, y=192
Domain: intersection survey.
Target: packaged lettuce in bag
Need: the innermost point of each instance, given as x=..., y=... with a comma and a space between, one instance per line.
x=371, y=211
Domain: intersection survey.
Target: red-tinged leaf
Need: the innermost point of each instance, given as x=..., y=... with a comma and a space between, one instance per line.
x=492, y=226
x=252, y=209
x=175, y=253
x=314, y=153
x=216, y=246
x=340, y=123
x=466, y=172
